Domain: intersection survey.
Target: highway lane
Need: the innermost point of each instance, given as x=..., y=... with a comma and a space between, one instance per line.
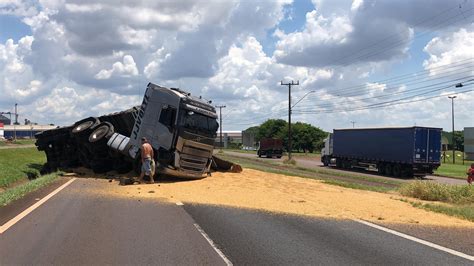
x=260, y=238
x=315, y=163
x=76, y=227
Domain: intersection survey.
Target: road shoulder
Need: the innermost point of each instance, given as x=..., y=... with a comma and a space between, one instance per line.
x=16, y=207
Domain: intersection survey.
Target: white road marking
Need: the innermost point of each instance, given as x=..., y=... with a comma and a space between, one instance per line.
x=219, y=252
x=421, y=241
x=179, y=203
x=24, y=213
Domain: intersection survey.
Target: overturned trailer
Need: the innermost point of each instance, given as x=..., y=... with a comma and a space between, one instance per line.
x=181, y=129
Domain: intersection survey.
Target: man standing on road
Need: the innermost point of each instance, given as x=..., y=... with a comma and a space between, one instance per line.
x=147, y=161
x=470, y=174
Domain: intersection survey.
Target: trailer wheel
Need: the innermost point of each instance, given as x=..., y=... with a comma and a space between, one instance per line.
x=84, y=125
x=407, y=172
x=103, y=130
x=381, y=169
x=388, y=169
x=397, y=170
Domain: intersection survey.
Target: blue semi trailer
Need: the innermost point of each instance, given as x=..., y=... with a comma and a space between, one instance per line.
x=399, y=152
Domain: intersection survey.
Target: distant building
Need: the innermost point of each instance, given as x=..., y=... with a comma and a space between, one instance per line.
x=4, y=120
x=24, y=131
x=229, y=138
x=469, y=142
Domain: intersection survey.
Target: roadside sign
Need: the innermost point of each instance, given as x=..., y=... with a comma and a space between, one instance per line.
x=1, y=130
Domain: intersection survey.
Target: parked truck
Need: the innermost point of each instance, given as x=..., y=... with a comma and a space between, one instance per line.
x=181, y=129
x=270, y=147
x=399, y=152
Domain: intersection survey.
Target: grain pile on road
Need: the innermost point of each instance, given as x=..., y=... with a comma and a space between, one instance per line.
x=279, y=193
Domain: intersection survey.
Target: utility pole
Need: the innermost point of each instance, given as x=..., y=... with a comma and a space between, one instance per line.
x=16, y=122
x=289, y=112
x=353, y=124
x=220, y=117
x=452, y=109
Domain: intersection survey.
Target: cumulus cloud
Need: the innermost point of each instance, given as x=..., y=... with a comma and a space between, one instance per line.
x=88, y=57
x=441, y=52
x=341, y=33
x=125, y=69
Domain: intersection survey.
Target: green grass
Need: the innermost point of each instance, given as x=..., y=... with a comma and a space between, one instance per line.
x=17, y=164
x=18, y=142
x=453, y=170
x=459, y=199
x=461, y=211
x=19, y=191
x=432, y=191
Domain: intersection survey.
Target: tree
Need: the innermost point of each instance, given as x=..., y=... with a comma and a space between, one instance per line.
x=272, y=128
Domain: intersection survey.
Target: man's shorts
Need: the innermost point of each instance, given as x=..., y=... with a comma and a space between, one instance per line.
x=146, y=167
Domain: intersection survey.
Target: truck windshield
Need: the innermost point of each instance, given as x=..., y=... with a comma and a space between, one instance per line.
x=196, y=121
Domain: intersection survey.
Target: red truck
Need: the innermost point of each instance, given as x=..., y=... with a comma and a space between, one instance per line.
x=270, y=147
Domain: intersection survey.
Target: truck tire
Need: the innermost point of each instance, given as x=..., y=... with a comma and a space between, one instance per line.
x=407, y=171
x=325, y=161
x=103, y=131
x=397, y=170
x=85, y=126
x=388, y=169
x=381, y=168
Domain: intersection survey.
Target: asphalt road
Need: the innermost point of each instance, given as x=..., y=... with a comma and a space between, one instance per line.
x=77, y=228
x=315, y=162
x=259, y=238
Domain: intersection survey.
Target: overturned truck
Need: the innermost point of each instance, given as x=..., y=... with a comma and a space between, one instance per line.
x=181, y=129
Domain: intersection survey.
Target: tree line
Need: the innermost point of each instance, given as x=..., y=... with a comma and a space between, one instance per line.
x=305, y=137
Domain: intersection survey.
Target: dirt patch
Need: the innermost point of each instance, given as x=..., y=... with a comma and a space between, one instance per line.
x=279, y=193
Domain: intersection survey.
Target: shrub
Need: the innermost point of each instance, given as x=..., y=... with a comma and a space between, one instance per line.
x=438, y=192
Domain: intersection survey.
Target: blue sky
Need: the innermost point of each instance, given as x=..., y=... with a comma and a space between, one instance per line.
x=11, y=27
x=64, y=60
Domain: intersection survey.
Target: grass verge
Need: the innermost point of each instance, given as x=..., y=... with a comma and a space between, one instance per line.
x=358, y=182
x=456, y=201
x=19, y=191
x=19, y=164
x=457, y=171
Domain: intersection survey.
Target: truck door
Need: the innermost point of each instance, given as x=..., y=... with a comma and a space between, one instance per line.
x=166, y=126
x=434, y=149
x=421, y=143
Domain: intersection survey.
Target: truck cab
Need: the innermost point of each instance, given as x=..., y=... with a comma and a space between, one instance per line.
x=181, y=129
x=327, y=151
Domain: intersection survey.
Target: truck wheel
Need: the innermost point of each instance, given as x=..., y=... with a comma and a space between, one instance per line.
x=85, y=125
x=407, y=172
x=388, y=169
x=346, y=164
x=397, y=170
x=325, y=161
x=103, y=131
x=381, y=169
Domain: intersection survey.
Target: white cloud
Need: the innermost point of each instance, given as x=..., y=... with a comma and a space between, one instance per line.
x=17, y=8
x=457, y=47
x=126, y=69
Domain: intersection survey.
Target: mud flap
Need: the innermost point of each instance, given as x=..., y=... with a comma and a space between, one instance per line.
x=219, y=164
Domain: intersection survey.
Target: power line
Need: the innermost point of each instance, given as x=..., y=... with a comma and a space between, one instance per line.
x=383, y=105
x=428, y=88
x=452, y=67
